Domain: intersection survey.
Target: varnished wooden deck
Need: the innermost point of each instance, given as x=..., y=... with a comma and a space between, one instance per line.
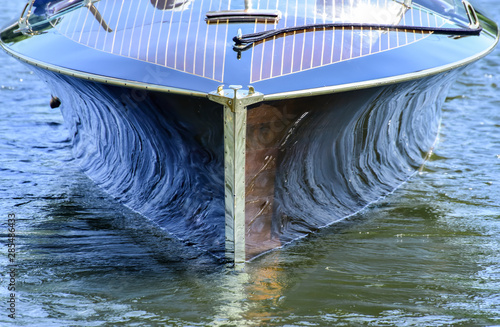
x=178, y=37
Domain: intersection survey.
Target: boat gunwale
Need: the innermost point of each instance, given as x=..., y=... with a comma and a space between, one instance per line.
x=100, y=78
x=383, y=81
x=267, y=97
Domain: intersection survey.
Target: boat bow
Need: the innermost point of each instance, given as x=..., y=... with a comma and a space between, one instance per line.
x=283, y=49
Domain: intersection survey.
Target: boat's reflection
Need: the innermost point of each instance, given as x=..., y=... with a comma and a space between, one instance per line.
x=252, y=292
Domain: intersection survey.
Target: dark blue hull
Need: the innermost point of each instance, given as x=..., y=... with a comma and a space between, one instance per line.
x=239, y=127
x=331, y=156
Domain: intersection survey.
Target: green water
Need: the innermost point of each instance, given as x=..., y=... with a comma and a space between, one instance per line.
x=427, y=255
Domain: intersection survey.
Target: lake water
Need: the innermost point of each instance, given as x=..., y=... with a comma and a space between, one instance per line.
x=427, y=255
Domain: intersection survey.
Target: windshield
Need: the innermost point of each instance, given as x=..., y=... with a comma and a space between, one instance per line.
x=454, y=9
x=363, y=11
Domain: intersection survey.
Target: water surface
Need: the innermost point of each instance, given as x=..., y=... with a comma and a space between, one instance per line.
x=427, y=255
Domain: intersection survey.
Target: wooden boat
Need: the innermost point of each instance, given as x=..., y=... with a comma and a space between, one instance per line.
x=240, y=126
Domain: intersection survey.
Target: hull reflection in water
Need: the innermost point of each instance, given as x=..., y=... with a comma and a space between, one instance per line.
x=310, y=162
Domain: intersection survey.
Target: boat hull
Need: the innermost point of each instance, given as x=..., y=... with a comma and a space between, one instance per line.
x=341, y=107
x=310, y=162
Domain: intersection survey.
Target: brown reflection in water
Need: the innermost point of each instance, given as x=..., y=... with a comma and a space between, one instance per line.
x=265, y=287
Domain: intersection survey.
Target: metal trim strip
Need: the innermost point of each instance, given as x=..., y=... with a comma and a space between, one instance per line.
x=381, y=81
x=103, y=79
x=267, y=97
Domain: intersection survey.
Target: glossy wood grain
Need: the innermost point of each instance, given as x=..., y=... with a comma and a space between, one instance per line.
x=176, y=35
